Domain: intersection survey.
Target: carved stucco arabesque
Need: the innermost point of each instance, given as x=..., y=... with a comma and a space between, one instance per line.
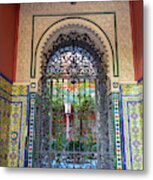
x=105, y=21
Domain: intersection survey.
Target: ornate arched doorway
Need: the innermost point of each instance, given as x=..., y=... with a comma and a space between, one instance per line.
x=73, y=107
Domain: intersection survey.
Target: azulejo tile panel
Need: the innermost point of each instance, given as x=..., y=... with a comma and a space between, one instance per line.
x=5, y=109
x=132, y=125
x=31, y=129
x=19, y=117
x=5, y=84
x=14, y=134
x=127, y=108
x=13, y=122
x=116, y=116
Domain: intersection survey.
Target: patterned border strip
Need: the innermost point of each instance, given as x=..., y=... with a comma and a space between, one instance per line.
x=31, y=129
x=135, y=145
x=129, y=94
x=15, y=149
x=116, y=116
x=21, y=92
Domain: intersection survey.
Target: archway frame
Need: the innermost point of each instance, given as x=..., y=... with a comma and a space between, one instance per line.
x=100, y=35
x=103, y=84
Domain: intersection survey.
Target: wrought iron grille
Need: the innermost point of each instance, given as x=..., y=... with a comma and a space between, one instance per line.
x=72, y=109
x=71, y=88
x=73, y=123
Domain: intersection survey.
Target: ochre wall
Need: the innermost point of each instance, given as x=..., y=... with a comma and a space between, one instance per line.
x=47, y=14
x=9, y=19
x=136, y=12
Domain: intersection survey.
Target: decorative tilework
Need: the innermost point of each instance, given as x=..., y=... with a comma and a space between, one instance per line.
x=132, y=125
x=5, y=109
x=116, y=116
x=115, y=84
x=33, y=85
x=14, y=144
x=5, y=84
x=127, y=115
x=135, y=120
x=22, y=124
x=131, y=89
x=13, y=123
x=19, y=90
x=31, y=129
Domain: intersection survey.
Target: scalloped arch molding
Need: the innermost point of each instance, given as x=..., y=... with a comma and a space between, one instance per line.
x=96, y=33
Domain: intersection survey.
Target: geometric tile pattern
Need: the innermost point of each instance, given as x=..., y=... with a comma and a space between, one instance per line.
x=14, y=133
x=14, y=102
x=135, y=120
x=13, y=123
x=5, y=109
x=19, y=125
x=5, y=84
x=116, y=116
x=31, y=129
x=132, y=125
x=20, y=93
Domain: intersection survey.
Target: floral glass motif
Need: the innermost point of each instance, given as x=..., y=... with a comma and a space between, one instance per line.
x=71, y=62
